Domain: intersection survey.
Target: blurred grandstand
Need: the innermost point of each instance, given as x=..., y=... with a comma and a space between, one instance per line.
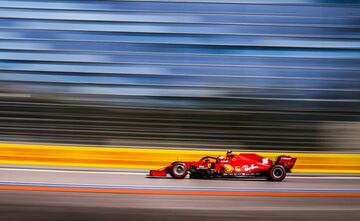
x=269, y=75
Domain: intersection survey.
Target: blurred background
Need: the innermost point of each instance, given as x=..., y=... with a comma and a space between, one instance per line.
x=254, y=75
x=274, y=76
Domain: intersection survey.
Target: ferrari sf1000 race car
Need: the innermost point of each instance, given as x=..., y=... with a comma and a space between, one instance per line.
x=241, y=165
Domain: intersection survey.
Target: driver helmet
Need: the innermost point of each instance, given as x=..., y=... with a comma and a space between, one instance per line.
x=229, y=154
x=220, y=158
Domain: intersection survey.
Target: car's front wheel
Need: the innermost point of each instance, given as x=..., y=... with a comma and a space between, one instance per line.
x=178, y=170
x=277, y=173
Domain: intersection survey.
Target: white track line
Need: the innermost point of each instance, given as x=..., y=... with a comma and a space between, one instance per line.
x=324, y=177
x=141, y=173
x=201, y=188
x=75, y=171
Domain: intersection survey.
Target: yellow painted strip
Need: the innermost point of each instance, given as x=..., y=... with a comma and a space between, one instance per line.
x=140, y=158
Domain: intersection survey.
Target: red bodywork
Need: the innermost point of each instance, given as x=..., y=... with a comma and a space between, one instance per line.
x=232, y=165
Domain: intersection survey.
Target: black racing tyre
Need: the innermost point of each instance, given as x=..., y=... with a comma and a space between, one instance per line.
x=277, y=173
x=178, y=170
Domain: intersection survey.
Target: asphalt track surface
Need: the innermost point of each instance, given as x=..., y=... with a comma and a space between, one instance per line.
x=57, y=194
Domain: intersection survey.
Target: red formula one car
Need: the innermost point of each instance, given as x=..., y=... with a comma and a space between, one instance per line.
x=241, y=165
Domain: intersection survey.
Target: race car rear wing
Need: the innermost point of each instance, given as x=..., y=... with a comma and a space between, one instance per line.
x=286, y=161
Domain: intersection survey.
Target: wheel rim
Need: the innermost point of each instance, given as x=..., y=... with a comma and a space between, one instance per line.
x=179, y=170
x=278, y=173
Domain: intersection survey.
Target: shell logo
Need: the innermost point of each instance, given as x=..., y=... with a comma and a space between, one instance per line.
x=228, y=168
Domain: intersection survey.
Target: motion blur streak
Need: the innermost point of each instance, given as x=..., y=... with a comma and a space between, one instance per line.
x=85, y=181
x=135, y=84
x=178, y=192
x=43, y=199
x=18, y=205
x=264, y=75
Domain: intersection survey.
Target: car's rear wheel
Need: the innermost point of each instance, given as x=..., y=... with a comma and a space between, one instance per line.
x=178, y=170
x=277, y=173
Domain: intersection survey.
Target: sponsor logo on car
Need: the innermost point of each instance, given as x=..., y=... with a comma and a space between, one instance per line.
x=228, y=168
x=247, y=168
